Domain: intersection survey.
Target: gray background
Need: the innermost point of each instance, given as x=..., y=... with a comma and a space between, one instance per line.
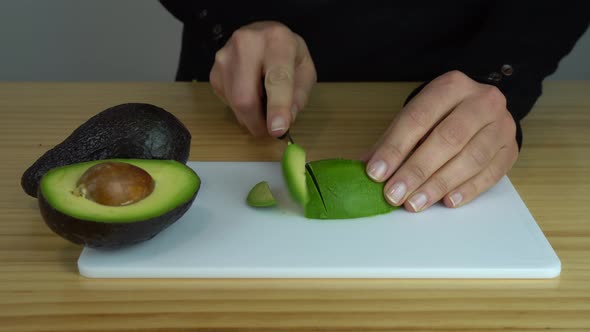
x=120, y=40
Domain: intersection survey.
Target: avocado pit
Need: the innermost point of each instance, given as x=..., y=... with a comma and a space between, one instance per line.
x=114, y=184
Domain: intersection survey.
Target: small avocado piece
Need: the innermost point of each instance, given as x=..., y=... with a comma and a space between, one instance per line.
x=115, y=203
x=129, y=131
x=261, y=196
x=346, y=191
x=293, y=164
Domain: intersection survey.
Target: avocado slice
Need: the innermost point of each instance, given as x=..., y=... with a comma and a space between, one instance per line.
x=343, y=191
x=293, y=165
x=129, y=131
x=332, y=188
x=261, y=196
x=71, y=213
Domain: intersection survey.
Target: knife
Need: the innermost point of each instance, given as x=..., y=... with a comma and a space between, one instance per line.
x=287, y=135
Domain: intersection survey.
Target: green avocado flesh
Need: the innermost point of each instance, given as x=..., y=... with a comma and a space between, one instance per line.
x=175, y=184
x=346, y=190
x=336, y=189
x=293, y=164
x=261, y=196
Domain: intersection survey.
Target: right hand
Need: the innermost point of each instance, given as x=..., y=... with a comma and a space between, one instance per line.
x=269, y=51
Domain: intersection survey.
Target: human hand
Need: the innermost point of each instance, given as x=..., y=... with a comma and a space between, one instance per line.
x=452, y=141
x=269, y=51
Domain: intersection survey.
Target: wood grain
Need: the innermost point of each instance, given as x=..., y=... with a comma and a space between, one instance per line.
x=41, y=290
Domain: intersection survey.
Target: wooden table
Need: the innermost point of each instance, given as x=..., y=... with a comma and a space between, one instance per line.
x=41, y=290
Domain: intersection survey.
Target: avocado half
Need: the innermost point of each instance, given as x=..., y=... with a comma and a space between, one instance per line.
x=83, y=221
x=332, y=188
x=131, y=131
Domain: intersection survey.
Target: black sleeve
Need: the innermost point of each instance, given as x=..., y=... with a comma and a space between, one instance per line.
x=181, y=10
x=521, y=43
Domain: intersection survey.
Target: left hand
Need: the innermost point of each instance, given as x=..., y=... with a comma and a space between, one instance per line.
x=452, y=141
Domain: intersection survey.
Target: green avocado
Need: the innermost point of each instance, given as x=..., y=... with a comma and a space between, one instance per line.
x=345, y=191
x=293, y=165
x=76, y=215
x=335, y=188
x=132, y=131
x=261, y=196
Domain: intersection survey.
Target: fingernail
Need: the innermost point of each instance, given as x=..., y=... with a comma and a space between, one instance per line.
x=294, y=110
x=397, y=192
x=418, y=201
x=456, y=199
x=278, y=123
x=377, y=170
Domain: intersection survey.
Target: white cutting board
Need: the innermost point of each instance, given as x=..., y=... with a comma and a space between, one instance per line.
x=494, y=236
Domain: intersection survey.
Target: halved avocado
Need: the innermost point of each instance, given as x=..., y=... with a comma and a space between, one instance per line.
x=70, y=211
x=126, y=131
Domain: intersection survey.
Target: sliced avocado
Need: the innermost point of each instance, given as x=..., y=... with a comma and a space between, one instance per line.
x=130, y=131
x=346, y=191
x=70, y=210
x=293, y=164
x=332, y=188
x=261, y=196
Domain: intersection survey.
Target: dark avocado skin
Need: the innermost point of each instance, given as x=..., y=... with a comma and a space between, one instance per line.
x=108, y=235
x=134, y=130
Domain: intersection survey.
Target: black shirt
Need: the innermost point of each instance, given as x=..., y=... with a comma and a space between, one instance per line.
x=511, y=44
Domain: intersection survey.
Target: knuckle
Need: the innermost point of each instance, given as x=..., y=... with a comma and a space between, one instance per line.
x=512, y=155
x=453, y=77
x=480, y=157
x=440, y=185
x=300, y=97
x=418, y=172
x=240, y=110
x=243, y=38
x=494, y=97
x=279, y=33
x=493, y=175
x=221, y=57
x=419, y=116
x=471, y=190
x=453, y=133
x=279, y=75
x=242, y=103
x=509, y=124
x=214, y=81
x=393, y=151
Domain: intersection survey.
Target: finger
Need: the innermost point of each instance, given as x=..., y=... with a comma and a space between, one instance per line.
x=499, y=166
x=443, y=144
x=279, y=69
x=242, y=77
x=433, y=103
x=245, y=87
x=305, y=78
x=217, y=83
x=476, y=156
